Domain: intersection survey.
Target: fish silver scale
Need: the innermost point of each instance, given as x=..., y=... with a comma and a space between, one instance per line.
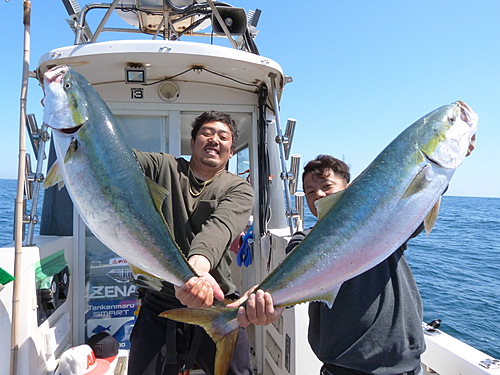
x=107, y=185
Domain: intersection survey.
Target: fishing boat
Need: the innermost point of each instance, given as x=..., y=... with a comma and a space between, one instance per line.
x=174, y=60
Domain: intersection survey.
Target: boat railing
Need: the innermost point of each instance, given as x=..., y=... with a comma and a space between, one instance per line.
x=39, y=138
x=289, y=178
x=170, y=22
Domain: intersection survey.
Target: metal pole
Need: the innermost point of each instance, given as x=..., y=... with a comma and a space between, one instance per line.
x=279, y=135
x=20, y=191
x=103, y=21
x=44, y=136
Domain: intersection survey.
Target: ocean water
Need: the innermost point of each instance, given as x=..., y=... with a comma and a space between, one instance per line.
x=456, y=267
x=7, y=204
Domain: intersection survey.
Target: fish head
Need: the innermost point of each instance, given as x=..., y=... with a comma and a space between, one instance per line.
x=65, y=109
x=446, y=142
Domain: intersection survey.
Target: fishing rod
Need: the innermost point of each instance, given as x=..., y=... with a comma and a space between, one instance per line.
x=19, y=212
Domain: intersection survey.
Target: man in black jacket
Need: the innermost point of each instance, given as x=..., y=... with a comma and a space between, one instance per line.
x=374, y=326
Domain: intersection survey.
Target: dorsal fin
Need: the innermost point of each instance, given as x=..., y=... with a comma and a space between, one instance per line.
x=54, y=176
x=431, y=217
x=324, y=205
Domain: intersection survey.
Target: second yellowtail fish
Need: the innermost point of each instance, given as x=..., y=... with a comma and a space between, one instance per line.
x=362, y=225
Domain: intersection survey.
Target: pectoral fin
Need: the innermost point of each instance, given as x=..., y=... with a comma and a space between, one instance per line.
x=419, y=183
x=431, y=217
x=70, y=152
x=54, y=176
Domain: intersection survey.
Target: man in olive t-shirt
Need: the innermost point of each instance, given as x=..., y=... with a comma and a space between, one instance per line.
x=206, y=209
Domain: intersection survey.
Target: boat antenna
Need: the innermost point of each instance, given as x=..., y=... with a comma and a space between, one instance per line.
x=18, y=230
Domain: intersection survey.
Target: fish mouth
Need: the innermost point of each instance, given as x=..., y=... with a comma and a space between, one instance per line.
x=468, y=116
x=56, y=74
x=466, y=112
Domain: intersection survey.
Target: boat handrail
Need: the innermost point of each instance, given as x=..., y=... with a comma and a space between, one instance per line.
x=42, y=136
x=280, y=140
x=245, y=28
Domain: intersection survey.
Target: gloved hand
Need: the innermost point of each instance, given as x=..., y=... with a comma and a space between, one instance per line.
x=245, y=253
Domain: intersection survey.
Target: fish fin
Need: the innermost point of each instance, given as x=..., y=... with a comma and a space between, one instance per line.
x=327, y=297
x=70, y=152
x=158, y=193
x=224, y=353
x=136, y=271
x=431, y=217
x=419, y=183
x=219, y=323
x=325, y=204
x=54, y=176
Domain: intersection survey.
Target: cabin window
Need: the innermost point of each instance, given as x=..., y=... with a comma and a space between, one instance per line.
x=239, y=164
x=152, y=140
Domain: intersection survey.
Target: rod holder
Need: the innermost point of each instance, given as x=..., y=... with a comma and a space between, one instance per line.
x=29, y=179
x=294, y=171
x=288, y=136
x=33, y=132
x=299, y=207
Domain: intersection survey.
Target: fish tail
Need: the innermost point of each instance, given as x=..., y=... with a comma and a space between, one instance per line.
x=219, y=323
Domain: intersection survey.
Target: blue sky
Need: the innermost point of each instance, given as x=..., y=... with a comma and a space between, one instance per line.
x=362, y=72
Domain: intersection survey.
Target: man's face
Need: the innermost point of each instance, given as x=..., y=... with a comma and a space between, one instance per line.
x=316, y=187
x=212, y=147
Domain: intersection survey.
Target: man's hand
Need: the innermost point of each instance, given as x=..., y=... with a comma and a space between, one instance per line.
x=260, y=309
x=199, y=291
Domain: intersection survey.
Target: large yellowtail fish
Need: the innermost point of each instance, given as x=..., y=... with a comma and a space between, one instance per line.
x=105, y=182
x=362, y=225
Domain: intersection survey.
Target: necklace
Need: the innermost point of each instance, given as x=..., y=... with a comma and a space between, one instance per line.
x=190, y=172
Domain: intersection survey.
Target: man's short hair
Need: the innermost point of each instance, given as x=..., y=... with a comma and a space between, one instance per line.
x=322, y=165
x=216, y=116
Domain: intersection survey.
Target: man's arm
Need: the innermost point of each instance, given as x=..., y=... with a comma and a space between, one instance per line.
x=225, y=224
x=199, y=291
x=209, y=245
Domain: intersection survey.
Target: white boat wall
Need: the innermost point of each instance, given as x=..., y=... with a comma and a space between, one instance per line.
x=73, y=286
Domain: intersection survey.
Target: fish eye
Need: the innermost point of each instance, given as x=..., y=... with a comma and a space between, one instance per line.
x=451, y=119
x=67, y=85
